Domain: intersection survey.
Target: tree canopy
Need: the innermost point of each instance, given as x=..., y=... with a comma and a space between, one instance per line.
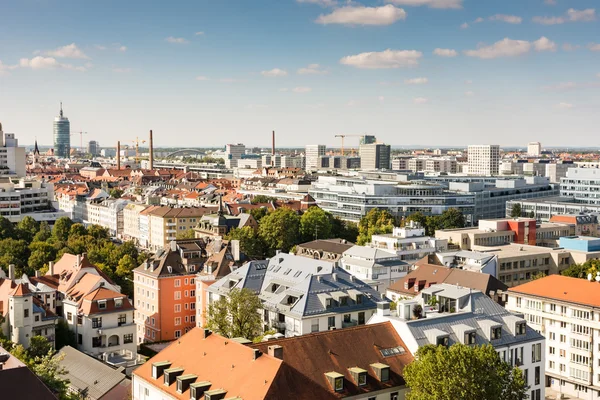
x=515, y=211
x=582, y=270
x=463, y=372
x=375, y=222
x=280, y=230
x=236, y=315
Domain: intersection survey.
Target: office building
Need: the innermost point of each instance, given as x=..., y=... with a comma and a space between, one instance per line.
x=93, y=148
x=582, y=185
x=312, y=156
x=351, y=198
x=409, y=242
x=62, y=135
x=534, y=149
x=23, y=198
x=368, y=139
x=374, y=156
x=233, y=153
x=467, y=316
x=12, y=157
x=565, y=311
x=484, y=160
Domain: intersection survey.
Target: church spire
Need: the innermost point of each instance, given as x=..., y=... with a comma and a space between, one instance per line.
x=36, y=150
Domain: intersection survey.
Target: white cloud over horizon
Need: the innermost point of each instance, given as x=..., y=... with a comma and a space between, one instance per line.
x=511, y=48
x=312, y=69
x=361, y=15
x=416, y=81
x=176, y=40
x=68, y=51
x=387, y=59
x=274, y=73
x=445, y=52
x=572, y=15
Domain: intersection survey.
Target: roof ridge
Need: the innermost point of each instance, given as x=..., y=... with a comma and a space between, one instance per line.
x=332, y=332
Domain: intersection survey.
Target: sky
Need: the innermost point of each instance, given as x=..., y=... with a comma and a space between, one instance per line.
x=206, y=73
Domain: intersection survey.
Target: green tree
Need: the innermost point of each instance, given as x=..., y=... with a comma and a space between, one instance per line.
x=538, y=275
x=452, y=218
x=375, y=222
x=44, y=233
x=41, y=254
x=38, y=347
x=116, y=193
x=236, y=315
x=315, y=224
x=463, y=372
x=61, y=228
x=126, y=266
x=7, y=229
x=98, y=232
x=515, y=211
x=344, y=229
x=77, y=230
x=49, y=370
x=251, y=243
x=582, y=270
x=27, y=228
x=258, y=213
x=261, y=199
x=64, y=336
x=418, y=217
x=188, y=234
x=13, y=251
x=280, y=230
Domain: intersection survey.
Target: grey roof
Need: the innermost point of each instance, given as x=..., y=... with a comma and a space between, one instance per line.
x=248, y=276
x=89, y=375
x=371, y=253
x=484, y=309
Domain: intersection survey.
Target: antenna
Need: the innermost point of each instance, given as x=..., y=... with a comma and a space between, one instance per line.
x=61, y=110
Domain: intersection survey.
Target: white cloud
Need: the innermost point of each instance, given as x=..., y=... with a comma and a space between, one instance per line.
x=202, y=78
x=352, y=103
x=478, y=20
x=301, y=89
x=176, y=40
x=571, y=15
x=275, y=72
x=68, y=51
x=40, y=62
x=322, y=3
x=312, y=69
x=464, y=26
x=594, y=46
x=5, y=68
x=420, y=100
x=122, y=49
x=544, y=44
x=586, y=15
x=511, y=48
x=359, y=15
x=469, y=93
x=509, y=19
x=429, y=3
x=567, y=86
x=445, y=52
x=570, y=47
x=550, y=2
x=565, y=106
x=416, y=81
x=384, y=59
x=199, y=33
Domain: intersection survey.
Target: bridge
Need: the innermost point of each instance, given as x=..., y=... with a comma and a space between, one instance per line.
x=185, y=152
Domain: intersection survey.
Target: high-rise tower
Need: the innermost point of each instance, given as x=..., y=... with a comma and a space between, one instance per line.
x=62, y=135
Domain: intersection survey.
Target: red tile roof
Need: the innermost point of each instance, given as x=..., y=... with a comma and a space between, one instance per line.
x=20, y=291
x=562, y=288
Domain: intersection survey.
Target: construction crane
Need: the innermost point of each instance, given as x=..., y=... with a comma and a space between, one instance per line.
x=80, y=133
x=345, y=136
x=137, y=142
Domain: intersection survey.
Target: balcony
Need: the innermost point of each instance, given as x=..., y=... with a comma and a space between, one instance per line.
x=349, y=324
x=171, y=224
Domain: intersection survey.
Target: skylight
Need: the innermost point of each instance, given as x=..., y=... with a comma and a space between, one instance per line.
x=394, y=351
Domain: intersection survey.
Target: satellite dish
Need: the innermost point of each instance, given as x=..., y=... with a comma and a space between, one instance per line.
x=590, y=277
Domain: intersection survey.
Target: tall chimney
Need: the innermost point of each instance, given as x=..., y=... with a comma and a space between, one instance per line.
x=151, y=152
x=50, y=268
x=11, y=272
x=118, y=155
x=273, y=143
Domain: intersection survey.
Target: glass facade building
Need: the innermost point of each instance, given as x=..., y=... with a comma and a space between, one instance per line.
x=62, y=136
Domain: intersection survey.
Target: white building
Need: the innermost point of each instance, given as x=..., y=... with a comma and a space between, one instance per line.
x=301, y=295
x=534, y=149
x=23, y=198
x=484, y=159
x=12, y=157
x=451, y=314
x=409, y=243
x=582, y=185
x=565, y=311
x=131, y=221
x=312, y=156
x=233, y=153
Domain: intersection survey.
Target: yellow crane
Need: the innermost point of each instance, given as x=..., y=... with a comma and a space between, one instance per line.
x=137, y=142
x=345, y=136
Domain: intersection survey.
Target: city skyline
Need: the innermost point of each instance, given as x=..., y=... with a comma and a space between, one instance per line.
x=427, y=72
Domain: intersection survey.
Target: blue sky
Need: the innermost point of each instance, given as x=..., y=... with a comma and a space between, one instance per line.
x=206, y=73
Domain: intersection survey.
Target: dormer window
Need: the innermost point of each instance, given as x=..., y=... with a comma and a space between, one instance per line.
x=118, y=303
x=171, y=374
x=382, y=371
x=336, y=380
x=329, y=303
x=359, y=375
x=192, y=268
x=470, y=337
x=102, y=304
x=521, y=328
x=443, y=341
x=158, y=368
x=496, y=333
x=359, y=299
x=343, y=301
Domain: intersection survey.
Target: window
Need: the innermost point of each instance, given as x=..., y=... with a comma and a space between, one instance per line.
x=192, y=318
x=470, y=337
x=192, y=281
x=118, y=303
x=186, y=293
x=331, y=322
x=37, y=318
x=97, y=322
x=178, y=295
x=177, y=282
x=69, y=316
x=153, y=321
x=177, y=307
x=518, y=302
x=128, y=338
x=122, y=319
x=394, y=396
x=496, y=333
x=328, y=303
x=552, y=350
x=359, y=299
x=362, y=379
x=346, y=318
x=314, y=325
x=79, y=320
x=177, y=334
x=178, y=321
x=26, y=313
x=344, y=301
x=79, y=338
x=192, y=293
x=96, y=342
x=186, y=318
x=536, y=352
x=192, y=306
x=521, y=328
x=443, y=341
x=339, y=384
x=537, y=375
x=563, y=338
x=185, y=281
x=102, y=305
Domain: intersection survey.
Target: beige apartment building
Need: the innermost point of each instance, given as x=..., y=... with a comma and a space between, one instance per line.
x=166, y=222
x=131, y=221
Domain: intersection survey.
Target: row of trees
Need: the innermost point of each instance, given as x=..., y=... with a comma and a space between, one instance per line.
x=31, y=245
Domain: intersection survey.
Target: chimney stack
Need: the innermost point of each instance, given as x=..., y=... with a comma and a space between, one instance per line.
x=273, y=149
x=151, y=152
x=118, y=155
x=11, y=272
x=256, y=354
x=50, y=268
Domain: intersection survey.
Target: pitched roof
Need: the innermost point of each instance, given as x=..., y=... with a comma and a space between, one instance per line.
x=20, y=291
x=19, y=382
x=89, y=304
x=91, y=376
x=225, y=363
x=316, y=354
x=336, y=246
x=563, y=288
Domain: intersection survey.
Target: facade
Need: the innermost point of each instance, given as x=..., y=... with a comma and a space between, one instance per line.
x=12, y=157
x=233, y=153
x=534, y=149
x=62, y=136
x=28, y=198
x=582, y=185
x=409, y=243
x=312, y=156
x=93, y=148
x=467, y=316
x=351, y=198
x=583, y=224
x=131, y=221
x=375, y=156
x=565, y=311
x=484, y=159
x=164, y=223
x=544, y=209
x=301, y=295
